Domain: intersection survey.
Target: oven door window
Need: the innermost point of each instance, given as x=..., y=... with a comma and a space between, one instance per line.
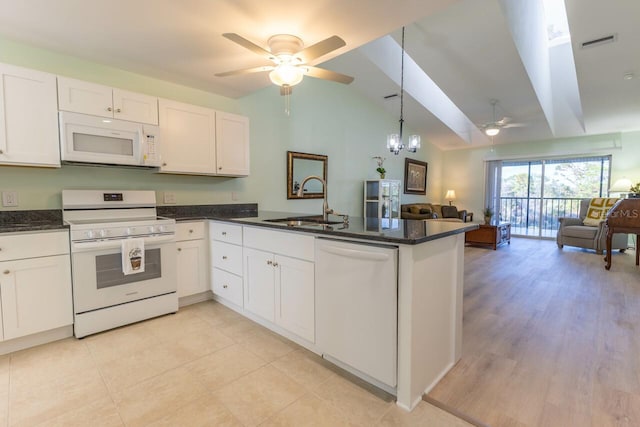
x=109, y=269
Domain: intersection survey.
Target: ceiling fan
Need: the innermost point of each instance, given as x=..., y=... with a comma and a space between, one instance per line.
x=290, y=60
x=493, y=128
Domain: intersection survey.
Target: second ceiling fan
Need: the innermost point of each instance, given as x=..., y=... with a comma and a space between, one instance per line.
x=494, y=127
x=290, y=60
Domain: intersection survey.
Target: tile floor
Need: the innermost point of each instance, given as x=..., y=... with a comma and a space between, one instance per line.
x=204, y=366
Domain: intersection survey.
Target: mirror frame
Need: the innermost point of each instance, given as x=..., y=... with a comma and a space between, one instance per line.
x=291, y=156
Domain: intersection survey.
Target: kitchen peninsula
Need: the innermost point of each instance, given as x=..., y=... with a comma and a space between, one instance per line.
x=429, y=268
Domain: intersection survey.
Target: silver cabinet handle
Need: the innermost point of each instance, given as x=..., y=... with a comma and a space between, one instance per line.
x=269, y=262
x=275, y=264
x=225, y=286
x=109, y=109
x=164, y=164
x=219, y=168
x=224, y=233
x=224, y=257
x=118, y=110
x=1, y=152
x=179, y=249
x=6, y=272
x=190, y=231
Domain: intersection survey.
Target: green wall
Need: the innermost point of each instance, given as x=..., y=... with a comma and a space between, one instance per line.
x=326, y=118
x=463, y=170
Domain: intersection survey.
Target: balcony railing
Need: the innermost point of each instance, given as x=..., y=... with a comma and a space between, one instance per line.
x=535, y=216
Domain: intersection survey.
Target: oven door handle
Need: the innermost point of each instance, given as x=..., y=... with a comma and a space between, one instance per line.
x=117, y=243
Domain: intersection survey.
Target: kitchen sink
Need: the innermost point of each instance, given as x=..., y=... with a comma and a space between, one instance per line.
x=302, y=220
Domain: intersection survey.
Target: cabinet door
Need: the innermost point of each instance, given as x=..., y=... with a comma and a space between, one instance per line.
x=188, y=138
x=36, y=295
x=135, y=107
x=259, y=291
x=84, y=97
x=295, y=296
x=232, y=144
x=192, y=267
x=28, y=117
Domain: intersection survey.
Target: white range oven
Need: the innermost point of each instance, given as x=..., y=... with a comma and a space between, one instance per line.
x=123, y=258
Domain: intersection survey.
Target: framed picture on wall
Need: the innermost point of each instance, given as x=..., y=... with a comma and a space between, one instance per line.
x=415, y=177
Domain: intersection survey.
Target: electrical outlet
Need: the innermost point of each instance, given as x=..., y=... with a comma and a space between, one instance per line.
x=9, y=198
x=169, y=198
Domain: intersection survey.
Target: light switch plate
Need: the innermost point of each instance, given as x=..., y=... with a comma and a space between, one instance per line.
x=169, y=198
x=9, y=198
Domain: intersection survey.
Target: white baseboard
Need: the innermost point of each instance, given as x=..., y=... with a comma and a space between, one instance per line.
x=33, y=340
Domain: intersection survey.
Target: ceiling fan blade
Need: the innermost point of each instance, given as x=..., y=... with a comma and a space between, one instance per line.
x=248, y=45
x=245, y=71
x=320, y=49
x=321, y=73
x=514, y=125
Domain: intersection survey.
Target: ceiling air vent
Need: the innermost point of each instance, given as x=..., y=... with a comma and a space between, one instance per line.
x=393, y=95
x=599, y=41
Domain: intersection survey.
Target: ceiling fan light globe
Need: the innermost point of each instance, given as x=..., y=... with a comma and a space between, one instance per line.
x=492, y=131
x=286, y=74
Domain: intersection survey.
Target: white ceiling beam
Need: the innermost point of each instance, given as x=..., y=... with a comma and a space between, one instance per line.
x=386, y=54
x=552, y=72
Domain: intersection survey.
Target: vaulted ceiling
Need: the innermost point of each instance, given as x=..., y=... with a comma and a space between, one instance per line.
x=471, y=51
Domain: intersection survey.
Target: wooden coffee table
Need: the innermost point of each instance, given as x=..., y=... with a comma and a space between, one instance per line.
x=494, y=235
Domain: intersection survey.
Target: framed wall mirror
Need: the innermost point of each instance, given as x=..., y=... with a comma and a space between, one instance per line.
x=300, y=166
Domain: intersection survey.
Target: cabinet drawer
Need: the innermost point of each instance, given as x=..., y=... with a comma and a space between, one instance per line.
x=227, y=286
x=227, y=257
x=295, y=245
x=31, y=245
x=226, y=232
x=189, y=231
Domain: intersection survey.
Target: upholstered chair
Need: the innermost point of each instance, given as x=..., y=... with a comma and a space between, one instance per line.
x=573, y=232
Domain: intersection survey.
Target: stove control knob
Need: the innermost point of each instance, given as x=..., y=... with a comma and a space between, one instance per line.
x=129, y=231
x=90, y=234
x=151, y=229
x=161, y=228
x=103, y=233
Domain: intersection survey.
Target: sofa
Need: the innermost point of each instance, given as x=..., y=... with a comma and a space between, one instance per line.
x=422, y=211
x=573, y=232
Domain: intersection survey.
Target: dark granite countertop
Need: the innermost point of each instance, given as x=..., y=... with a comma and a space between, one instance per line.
x=31, y=220
x=408, y=232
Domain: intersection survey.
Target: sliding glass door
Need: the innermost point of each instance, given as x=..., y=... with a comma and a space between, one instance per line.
x=532, y=194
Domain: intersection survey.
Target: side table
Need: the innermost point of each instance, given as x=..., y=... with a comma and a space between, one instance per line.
x=494, y=235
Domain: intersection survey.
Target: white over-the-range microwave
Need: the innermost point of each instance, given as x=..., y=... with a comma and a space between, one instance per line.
x=100, y=140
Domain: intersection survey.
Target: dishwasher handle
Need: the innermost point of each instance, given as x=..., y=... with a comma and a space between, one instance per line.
x=354, y=253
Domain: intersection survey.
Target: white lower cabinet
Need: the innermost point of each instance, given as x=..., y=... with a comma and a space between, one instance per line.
x=294, y=293
x=278, y=285
x=35, y=283
x=226, y=262
x=191, y=259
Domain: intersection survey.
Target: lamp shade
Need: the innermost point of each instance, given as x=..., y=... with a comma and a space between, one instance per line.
x=451, y=195
x=622, y=185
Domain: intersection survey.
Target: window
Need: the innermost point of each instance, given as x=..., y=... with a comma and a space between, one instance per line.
x=532, y=194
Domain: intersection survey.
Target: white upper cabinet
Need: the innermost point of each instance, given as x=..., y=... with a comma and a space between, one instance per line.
x=188, y=138
x=201, y=141
x=104, y=101
x=232, y=144
x=28, y=118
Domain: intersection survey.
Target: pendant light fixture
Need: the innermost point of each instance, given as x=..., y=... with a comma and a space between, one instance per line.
x=394, y=141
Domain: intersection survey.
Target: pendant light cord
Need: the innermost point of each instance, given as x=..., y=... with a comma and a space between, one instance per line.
x=402, y=85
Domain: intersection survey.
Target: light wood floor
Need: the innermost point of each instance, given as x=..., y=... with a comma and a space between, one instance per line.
x=550, y=338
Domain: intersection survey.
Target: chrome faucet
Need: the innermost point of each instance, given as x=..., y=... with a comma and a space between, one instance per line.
x=325, y=206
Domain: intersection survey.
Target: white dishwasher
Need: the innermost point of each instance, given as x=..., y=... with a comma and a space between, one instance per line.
x=357, y=305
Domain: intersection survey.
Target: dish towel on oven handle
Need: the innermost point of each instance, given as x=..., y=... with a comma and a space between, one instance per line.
x=132, y=256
